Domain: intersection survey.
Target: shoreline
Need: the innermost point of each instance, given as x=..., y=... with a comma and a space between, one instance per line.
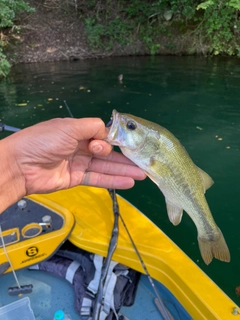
x=52, y=35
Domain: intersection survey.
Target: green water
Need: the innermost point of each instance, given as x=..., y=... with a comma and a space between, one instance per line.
x=197, y=99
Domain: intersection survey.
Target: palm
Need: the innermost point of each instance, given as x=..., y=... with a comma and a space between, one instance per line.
x=62, y=167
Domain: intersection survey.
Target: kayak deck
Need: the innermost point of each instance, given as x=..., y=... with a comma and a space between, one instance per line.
x=144, y=307
x=51, y=293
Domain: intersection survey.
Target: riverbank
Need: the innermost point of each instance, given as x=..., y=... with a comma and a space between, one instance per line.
x=52, y=33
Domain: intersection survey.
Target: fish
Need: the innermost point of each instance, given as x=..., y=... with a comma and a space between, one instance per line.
x=166, y=162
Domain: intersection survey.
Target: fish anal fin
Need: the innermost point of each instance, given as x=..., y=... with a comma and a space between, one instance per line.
x=174, y=213
x=214, y=249
x=206, y=179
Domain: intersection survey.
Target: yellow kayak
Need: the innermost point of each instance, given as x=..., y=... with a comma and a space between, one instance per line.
x=27, y=229
x=165, y=261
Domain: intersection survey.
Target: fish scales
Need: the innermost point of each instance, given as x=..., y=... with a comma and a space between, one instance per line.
x=177, y=184
x=166, y=162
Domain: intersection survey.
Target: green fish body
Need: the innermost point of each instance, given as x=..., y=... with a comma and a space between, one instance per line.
x=166, y=162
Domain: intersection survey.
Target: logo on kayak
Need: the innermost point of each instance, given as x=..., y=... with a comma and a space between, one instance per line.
x=33, y=254
x=32, y=251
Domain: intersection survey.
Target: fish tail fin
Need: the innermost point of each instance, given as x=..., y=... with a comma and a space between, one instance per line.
x=216, y=248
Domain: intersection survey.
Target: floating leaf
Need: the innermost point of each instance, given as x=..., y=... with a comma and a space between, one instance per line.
x=21, y=104
x=237, y=289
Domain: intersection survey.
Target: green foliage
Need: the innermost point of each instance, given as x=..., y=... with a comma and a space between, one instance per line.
x=102, y=36
x=123, y=24
x=212, y=23
x=4, y=65
x=182, y=9
x=235, y=4
x=8, y=14
x=9, y=10
x=204, y=5
x=220, y=25
x=94, y=31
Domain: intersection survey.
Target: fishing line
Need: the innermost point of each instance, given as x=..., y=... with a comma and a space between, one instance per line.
x=162, y=308
x=68, y=109
x=111, y=248
x=14, y=291
x=6, y=254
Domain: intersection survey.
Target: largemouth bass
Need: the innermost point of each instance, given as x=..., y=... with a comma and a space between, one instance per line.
x=166, y=162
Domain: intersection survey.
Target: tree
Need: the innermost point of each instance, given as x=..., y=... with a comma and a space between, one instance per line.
x=8, y=14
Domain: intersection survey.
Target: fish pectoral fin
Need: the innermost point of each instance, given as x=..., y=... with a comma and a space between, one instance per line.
x=216, y=248
x=159, y=169
x=174, y=213
x=206, y=179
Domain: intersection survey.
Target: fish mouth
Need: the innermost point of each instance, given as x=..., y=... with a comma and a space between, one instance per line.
x=110, y=123
x=112, y=128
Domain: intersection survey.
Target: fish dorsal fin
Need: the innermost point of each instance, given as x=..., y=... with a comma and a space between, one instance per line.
x=174, y=213
x=206, y=179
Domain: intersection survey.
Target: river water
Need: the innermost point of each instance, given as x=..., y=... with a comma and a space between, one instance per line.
x=197, y=99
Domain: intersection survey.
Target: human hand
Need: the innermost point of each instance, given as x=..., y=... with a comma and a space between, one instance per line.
x=62, y=153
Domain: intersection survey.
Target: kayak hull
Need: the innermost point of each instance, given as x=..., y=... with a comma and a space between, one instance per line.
x=165, y=261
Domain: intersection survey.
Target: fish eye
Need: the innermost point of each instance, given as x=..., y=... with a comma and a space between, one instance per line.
x=131, y=125
x=108, y=125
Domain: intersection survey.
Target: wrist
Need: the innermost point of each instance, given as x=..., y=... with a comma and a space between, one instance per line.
x=12, y=187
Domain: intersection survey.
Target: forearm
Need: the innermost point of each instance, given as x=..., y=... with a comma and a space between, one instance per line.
x=12, y=186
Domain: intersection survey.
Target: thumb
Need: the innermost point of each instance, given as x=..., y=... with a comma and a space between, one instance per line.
x=100, y=148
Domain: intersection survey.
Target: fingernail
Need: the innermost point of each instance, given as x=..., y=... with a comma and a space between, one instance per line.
x=97, y=148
